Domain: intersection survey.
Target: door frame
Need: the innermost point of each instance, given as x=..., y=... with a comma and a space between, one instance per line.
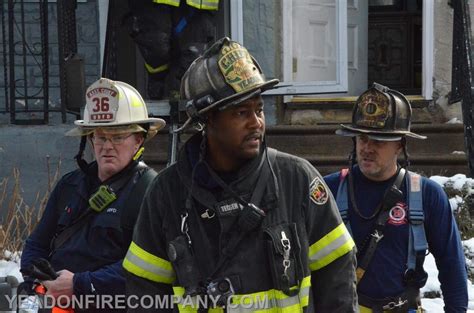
x=427, y=56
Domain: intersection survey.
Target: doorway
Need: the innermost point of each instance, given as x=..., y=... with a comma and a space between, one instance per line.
x=395, y=41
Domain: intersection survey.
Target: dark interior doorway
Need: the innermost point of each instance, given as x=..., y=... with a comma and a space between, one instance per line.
x=395, y=44
x=126, y=62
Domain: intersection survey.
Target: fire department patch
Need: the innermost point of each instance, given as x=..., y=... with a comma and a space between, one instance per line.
x=398, y=214
x=372, y=109
x=102, y=102
x=238, y=68
x=318, y=192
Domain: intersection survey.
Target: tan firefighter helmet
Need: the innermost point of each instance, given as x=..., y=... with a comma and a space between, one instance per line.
x=116, y=107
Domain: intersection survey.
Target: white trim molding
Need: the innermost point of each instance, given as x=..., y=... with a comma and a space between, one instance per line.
x=428, y=49
x=237, y=21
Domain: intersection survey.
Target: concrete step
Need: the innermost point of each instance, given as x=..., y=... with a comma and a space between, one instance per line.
x=440, y=154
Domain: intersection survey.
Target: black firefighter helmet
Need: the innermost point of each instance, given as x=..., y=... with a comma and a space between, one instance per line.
x=225, y=75
x=381, y=114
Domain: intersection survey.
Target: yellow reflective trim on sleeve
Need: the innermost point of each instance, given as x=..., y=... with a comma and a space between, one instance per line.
x=204, y=4
x=174, y=3
x=153, y=70
x=146, y=265
x=329, y=248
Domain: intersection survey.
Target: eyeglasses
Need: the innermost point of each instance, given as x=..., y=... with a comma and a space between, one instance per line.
x=115, y=140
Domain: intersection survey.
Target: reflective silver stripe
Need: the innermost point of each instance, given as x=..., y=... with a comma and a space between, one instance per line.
x=271, y=304
x=327, y=250
x=132, y=258
x=207, y=5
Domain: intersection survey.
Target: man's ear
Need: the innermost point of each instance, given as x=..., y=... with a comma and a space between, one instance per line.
x=139, y=139
x=400, y=147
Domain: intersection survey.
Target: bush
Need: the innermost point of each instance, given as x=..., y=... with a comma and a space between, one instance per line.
x=18, y=218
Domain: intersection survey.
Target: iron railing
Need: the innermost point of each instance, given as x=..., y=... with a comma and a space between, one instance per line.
x=462, y=73
x=23, y=92
x=26, y=53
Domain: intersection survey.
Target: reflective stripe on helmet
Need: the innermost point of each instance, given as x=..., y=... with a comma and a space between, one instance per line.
x=146, y=265
x=332, y=246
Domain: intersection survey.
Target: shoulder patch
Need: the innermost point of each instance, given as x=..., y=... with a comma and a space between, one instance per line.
x=318, y=192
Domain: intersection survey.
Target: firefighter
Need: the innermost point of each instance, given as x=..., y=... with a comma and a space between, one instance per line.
x=170, y=34
x=87, y=224
x=394, y=214
x=234, y=222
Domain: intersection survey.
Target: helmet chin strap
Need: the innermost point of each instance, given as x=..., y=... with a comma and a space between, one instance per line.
x=406, y=163
x=83, y=165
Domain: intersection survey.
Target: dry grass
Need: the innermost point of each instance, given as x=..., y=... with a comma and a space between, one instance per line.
x=20, y=219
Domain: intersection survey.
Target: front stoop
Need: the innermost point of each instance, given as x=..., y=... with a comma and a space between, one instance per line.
x=441, y=154
x=321, y=111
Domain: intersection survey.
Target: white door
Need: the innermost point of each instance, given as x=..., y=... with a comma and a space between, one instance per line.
x=314, y=47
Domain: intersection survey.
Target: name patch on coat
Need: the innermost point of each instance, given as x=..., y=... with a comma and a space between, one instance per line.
x=228, y=207
x=318, y=192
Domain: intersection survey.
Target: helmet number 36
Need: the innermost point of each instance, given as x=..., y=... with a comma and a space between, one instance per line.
x=101, y=104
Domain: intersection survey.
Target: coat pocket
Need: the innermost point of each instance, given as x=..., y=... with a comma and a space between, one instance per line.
x=284, y=254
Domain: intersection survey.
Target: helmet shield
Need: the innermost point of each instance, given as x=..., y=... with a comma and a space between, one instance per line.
x=115, y=105
x=382, y=114
x=226, y=74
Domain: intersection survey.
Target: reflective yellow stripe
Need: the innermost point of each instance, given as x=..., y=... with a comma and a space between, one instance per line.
x=135, y=101
x=144, y=264
x=169, y=2
x=154, y=70
x=270, y=301
x=182, y=306
x=198, y=4
x=204, y=5
x=332, y=246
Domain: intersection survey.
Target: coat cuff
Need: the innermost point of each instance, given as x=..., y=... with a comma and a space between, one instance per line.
x=82, y=284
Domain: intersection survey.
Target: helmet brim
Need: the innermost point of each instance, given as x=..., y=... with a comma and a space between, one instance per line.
x=240, y=97
x=350, y=131
x=85, y=129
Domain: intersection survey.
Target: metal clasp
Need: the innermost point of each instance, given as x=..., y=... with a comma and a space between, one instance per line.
x=207, y=215
x=393, y=305
x=378, y=236
x=185, y=227
x=285, y=242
